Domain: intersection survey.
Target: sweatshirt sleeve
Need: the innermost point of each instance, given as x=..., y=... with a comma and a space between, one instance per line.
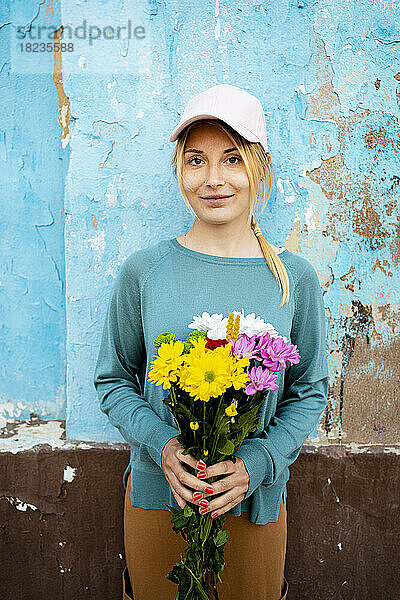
x=305, y=391
x=120, y=357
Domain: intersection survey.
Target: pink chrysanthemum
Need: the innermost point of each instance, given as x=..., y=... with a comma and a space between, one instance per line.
x=276, y=352
x=261, y=379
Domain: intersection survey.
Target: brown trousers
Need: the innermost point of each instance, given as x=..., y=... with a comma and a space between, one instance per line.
x=254, y=555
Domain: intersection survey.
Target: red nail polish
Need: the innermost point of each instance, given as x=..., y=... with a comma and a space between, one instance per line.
x=209, y=490
x=201, y=465
x=201, y=474
x=203, y=503
x=203, y=510
x=213, y=515
x=197, y=495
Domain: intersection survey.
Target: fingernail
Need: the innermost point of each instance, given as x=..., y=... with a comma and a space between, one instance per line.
x=197, y=495
x=201, y=474
x=213, y=515
x=203, y=502
x=203, y=510
x=209, y=490
x=201, y=465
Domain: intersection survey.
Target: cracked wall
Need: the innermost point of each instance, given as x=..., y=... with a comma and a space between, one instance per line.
x=89, y=154
x=330, y=89
x=33, y=165
x=85, y=181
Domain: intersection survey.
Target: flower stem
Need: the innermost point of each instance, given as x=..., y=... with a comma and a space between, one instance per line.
x=202, y=592
x=216, y=437
x=217, y=411
x=204, y=427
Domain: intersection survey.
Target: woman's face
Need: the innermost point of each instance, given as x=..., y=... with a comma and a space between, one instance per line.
x=213, y=168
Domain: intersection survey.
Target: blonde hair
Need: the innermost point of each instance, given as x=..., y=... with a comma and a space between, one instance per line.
x=259, y=171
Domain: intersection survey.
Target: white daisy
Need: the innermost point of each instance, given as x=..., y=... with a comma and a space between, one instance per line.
x=215, y=325
x=250, y=324
x=207, y=322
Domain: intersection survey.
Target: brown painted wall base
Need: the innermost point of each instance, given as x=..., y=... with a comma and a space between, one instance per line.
x=66, y=543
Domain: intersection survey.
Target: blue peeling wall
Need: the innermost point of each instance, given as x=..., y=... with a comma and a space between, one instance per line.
x=33, y=166
x=328, y=76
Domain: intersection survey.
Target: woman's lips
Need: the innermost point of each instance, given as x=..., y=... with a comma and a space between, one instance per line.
x=217, y=201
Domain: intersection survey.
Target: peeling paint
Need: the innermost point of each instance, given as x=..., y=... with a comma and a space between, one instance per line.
x=51, y=433
x=33, y=165
x=84, y=162
x=19, y=504
x=63, y=569
x=69, y=473
x=9, y=411
x=361, y=227
x=63, y=100
x=330, y=92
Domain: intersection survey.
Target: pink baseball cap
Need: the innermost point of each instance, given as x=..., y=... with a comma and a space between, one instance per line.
x=236, y=107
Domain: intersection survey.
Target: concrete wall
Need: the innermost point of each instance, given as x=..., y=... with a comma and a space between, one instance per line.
x=85, y=181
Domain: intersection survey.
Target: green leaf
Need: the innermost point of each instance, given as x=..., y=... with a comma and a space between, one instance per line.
x=179, y=520
x=227, y=448
x=221, y=537
x=180, y=409
x=188, y=510
x=222, y=441
x=242, y=419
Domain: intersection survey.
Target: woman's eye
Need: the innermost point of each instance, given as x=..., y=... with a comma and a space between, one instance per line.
x=194, y=158
x=190, y=161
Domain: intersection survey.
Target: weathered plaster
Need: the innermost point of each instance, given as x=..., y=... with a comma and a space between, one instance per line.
x=32, y=276
x=327, y=75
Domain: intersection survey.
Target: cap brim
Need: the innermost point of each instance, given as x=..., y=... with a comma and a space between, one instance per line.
x=248, y=135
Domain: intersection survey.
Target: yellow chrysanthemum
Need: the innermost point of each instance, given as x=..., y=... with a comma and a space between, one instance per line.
x=231, y=411
x=166, y=365
x=206, y=375
x=198, y=348
x=238, y=378
x=225, y=351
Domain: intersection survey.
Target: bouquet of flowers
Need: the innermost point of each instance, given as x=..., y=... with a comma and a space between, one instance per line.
x=217, y=380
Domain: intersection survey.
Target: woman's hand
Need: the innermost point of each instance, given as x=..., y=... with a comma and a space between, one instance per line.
x=182, y=483
x=232, y=488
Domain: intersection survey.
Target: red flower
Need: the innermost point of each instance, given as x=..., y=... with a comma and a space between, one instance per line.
x=211, y=344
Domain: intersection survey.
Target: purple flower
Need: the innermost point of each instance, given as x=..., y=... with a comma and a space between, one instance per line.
x=261, y=379
x=276, y=351
x=243, y=347
x=263, y=341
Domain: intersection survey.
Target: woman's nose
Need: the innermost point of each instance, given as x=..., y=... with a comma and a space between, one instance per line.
x=215, y=175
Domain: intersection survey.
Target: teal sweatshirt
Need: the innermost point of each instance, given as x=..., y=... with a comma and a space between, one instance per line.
x=161, y=288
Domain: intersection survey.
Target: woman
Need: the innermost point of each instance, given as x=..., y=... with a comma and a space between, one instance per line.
x=222, y=263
